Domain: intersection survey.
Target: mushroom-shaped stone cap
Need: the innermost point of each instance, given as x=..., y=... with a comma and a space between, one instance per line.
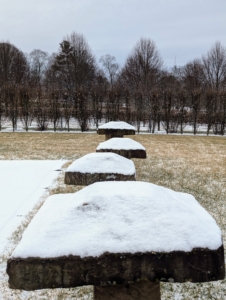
x=116, y=129
x=96, y=167
x=125, y=147
x=117, y=125
x=102, y=163
x=118, y=231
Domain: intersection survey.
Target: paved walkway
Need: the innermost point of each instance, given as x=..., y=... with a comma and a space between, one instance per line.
x=22, y=183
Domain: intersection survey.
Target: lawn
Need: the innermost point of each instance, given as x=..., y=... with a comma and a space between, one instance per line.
x=192, y=164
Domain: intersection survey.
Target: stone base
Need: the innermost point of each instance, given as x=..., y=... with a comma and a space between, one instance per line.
x=110, y=133
x=77, y=178
x=127, y=153
x=141, y=290
x=199, y=265
x=116, y=135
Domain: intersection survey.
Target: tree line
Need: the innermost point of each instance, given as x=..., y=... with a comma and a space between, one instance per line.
x=72, y=84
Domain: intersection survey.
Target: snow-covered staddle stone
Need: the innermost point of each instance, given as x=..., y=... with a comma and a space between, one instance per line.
x=117, y=231
x=125, y=147
x=116, y=129
x=96, y=167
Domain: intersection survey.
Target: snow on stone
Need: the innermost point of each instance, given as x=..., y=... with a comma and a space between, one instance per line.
x=117, y=125
x=103, y=163
x=120, y=144
x=22, y=183
x=118, y=217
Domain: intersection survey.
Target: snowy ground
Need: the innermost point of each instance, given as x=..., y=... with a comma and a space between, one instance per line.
x=194, y=165
x=22, y=183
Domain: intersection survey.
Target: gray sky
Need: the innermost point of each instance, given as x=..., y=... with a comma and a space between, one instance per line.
x=182, y=29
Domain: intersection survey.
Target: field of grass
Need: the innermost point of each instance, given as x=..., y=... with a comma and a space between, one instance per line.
x=191, y=164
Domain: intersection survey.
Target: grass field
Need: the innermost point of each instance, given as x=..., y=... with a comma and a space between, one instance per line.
x=191, y=164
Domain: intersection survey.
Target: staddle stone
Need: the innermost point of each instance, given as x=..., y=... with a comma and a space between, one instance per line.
x=125, y=147
x=95, y=167
x=117, y=233
x=116, y=129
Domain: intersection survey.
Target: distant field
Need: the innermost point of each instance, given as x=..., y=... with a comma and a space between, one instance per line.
x=191, y=164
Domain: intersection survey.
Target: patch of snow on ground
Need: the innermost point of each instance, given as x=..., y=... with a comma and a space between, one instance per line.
x=103, y=163
x=118, y=217
x=22, y=183
x=120, y=144
x=117, y=125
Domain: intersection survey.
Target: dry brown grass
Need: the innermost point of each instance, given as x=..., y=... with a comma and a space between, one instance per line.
x=191, y=164
x=47, y=145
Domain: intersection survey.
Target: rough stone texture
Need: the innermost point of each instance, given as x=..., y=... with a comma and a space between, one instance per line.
x=199, y=265
x=127, y=153
x=110, y=133
x=140, y=290
x=78, y=178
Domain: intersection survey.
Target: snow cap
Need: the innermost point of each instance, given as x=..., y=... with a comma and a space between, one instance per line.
x=118, y=217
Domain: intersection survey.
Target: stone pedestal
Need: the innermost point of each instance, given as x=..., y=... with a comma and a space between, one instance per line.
x=112, y=133
x=96, y=167
x=117, y=134
x=127, y=153
x=141, y=290
x=116, y=129
x=125, y=147
x=78, y=178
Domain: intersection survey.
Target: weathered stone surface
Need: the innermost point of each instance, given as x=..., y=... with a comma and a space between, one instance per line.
x=126, y=153
x=78, y=178
x=110, y=133
x=116, y=132
x=199, y=265
x=140, y=290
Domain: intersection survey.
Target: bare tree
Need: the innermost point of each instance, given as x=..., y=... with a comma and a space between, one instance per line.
x=181, y=108
x=111, y=68
x=81, y=108
x=97, y=98
x=209, y=108
x=154, y=104
x=67, y=111
x=2, y=108
x=12, y=99
x=196, y=96
x=26, y=109
x=214, y=63
x=193, y=75
x=13, y=65
x=41, y=112
x=142, y=66
x=55, y=112
x=38, y=60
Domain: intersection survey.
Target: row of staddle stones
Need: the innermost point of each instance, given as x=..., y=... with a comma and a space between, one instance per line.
x=115, y=276
x=111, y=163
x=111, y=160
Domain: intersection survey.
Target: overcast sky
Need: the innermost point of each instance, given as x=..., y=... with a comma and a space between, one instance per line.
x=182, y=29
